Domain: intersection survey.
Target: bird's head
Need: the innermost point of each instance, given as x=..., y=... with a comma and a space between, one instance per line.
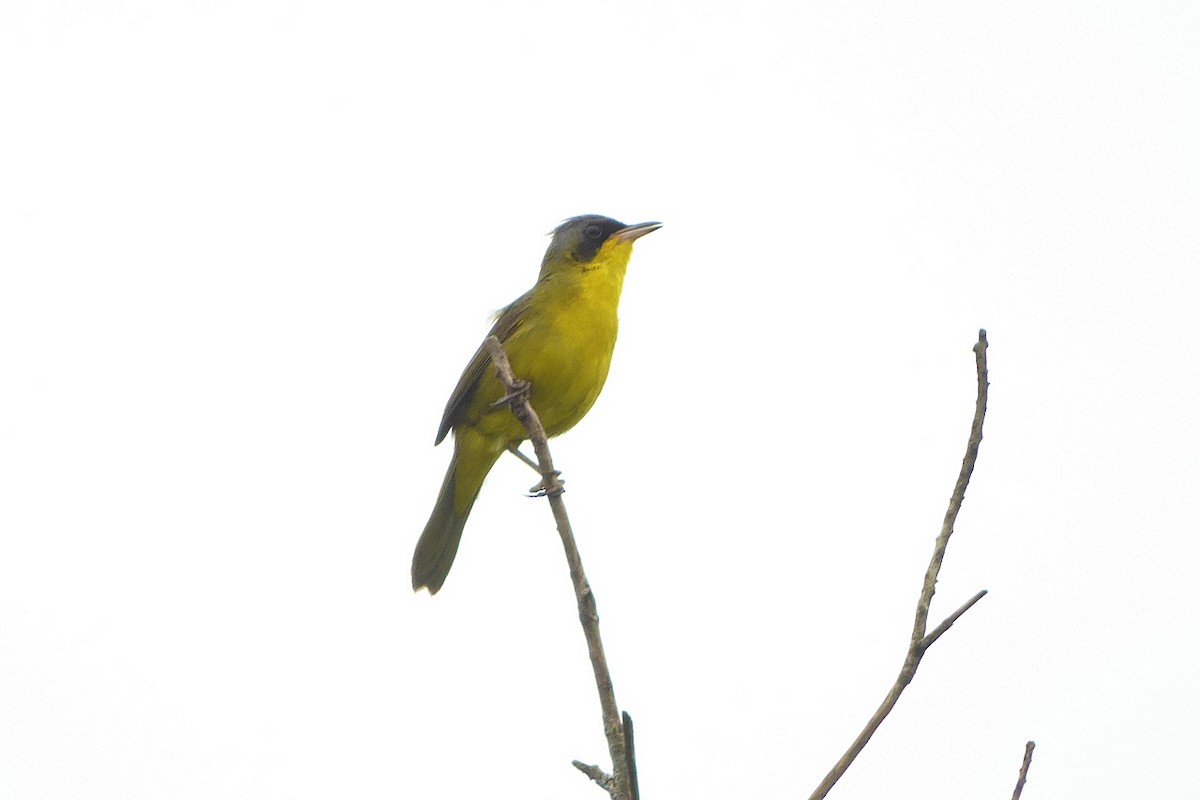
x=592, y=242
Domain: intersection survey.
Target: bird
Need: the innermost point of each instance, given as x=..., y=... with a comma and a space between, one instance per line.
x=559, y=337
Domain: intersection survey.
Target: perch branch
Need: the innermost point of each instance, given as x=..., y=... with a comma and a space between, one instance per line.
x=618, y=784
x=919, y=642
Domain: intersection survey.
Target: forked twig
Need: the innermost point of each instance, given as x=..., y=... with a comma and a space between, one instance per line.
x=919, y=642
x=618, y=784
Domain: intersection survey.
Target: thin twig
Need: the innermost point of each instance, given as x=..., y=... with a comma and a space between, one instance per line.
x=1024, y=771
x=602, y=778
x=919, y=642
x=635, y=793
x=950, y=620
x=518, y=396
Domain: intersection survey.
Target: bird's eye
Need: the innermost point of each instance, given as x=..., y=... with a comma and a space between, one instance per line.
x=594, y=232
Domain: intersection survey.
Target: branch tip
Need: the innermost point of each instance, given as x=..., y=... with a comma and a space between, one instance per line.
x=920, y=641
x=1024, y=773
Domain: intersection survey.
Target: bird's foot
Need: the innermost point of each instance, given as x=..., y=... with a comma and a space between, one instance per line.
x=548, y=485
x=519, y=392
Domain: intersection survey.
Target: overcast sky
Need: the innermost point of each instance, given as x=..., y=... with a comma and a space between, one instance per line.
x=246, y=249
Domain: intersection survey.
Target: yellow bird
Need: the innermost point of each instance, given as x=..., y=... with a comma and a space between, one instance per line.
x=559, y=336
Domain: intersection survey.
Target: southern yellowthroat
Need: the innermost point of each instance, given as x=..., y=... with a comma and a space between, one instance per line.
x=559, y=336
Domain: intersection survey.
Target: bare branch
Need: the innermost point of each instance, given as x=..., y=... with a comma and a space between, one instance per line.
x=950, y=620
x=919, y=642
x=960, y=488
x=635, y=792
x=518, y=398
x=1024, y=771
x=602, y=778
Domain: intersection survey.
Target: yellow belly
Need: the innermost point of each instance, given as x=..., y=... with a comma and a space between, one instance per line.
x=563, y=346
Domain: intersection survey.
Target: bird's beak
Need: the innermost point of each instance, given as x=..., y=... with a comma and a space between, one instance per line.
x=631, y=232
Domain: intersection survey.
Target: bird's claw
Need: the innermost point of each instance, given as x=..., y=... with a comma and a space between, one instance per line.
x=520, y=392
x=548, y=485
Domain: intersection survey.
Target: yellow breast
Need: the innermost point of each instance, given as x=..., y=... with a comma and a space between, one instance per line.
x=566, y=344
x=563, y=346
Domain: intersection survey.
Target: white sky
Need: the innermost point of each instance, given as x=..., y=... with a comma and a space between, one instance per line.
x=247, y=249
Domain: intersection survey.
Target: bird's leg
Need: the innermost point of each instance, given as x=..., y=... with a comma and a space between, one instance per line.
x=520, y=391
x=548, y=485
x=540, y=490
x=516, y=451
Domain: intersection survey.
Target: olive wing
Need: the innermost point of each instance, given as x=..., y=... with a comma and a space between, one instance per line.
x=507, y=321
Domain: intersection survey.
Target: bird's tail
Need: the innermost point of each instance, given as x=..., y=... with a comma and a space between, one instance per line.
x=439, y=541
